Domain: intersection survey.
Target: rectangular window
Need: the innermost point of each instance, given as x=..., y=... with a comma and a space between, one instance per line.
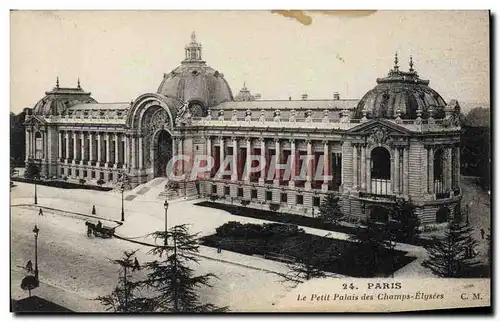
x=300, y=200
x=316, y=201
x=85, y=173
x=254, y=194
x=77, y=173
x=284, y=197
x=226, y=191
x=110, y=177
x=69, y=171
x=214, y=188
x=93, y=174
x=240, y=192
x=269, y=195
x=101, y=175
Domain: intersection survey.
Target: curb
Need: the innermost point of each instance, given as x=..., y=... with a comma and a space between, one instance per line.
x=69, y=212
x=202, y=256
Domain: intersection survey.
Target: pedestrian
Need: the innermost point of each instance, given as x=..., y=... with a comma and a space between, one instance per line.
x=99, y=224
x=136, y=265
x=219, y=250
x=93, y=209
x=482, y=233
x=29, y=266
x=40, y=213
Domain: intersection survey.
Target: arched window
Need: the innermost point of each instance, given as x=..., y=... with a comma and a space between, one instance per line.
x=381, y=164
x=457, y=213
x=380, y=171
x=38, y=146
x=438, y=165
x=442, y=215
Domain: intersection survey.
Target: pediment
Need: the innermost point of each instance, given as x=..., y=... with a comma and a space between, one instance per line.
x=34, y=120
x=374, y=126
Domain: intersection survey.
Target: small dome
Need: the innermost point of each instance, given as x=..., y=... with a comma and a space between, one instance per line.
x=404, y=91
x=194, y=80
x=60, y=98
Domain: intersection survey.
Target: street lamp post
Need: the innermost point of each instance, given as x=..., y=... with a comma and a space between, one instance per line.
x=165, y=205
x=36, y=197
x=36, y=230
x=122, y=188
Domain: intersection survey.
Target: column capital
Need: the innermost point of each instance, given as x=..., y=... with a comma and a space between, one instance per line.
x=234, y=138
x=291, y=141
x=276, y=140
x=325, y=142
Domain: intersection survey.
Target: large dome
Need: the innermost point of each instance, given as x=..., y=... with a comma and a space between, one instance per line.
x=195, y=81
x=403, y=91
x=59, y=99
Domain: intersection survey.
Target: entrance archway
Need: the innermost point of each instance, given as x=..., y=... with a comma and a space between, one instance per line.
x=163, y=153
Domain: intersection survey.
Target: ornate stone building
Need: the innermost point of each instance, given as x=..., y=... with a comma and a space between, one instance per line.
x=401, y=140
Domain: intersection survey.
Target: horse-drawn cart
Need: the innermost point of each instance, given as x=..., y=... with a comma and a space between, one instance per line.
x=99, y=230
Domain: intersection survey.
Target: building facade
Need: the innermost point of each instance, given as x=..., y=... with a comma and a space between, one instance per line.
x=400, y=140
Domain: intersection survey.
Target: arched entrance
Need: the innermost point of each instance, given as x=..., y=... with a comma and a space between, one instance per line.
x=163, y=153
x=380, y=171
x=442, y=215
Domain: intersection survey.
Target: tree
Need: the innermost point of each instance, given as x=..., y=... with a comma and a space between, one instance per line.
x=405, y=224
x=82, y=181
x=32, y=170
x=29, y=283
x=307, y=260
x=170, y=277
x=371, y=247
x=126, y=296
x=329, y=209
x=453, y=255
x=478, y=116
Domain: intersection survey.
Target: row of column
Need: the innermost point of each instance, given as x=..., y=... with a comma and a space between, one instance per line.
x=278, y=154
x=78, y=147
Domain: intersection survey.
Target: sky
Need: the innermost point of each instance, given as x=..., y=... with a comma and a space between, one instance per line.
x=119, y=55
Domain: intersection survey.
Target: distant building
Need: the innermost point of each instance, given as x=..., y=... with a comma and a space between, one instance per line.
x=401, y=140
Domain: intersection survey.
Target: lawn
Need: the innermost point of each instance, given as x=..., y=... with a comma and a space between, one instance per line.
x=331, y=255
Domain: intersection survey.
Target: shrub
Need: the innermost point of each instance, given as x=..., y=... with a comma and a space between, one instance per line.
x=82, y=181
x=214, y=198
x=245, y=202
x=100, y=182
x=274, y=207
x=172, y=185
x=65, y=178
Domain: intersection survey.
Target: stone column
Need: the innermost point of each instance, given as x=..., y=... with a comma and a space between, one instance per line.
x=262, y=178
x=221, y=155
x=180, y=140
x=396, y=170
x=108, y=150
x=134, y=149
x=234, y=175
x=309, y=175
x=248, y=161
x=27, y=153
x=82, y=147
x=449, y=168
x=430, y=165
x=326, y=168
x=91, y=148
x=117, y=152
x=74, y=148
x=208, y=174
x=66, y=136
x=368, y=171
x=293, y=163
x=141, y=160
x=355, y=166
x=277, y=176
x=365, y=168
x=405, y=171
x=60, y=145
x=126, y=154
x=99, y=149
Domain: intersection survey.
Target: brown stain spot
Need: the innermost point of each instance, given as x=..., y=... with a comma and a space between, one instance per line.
x=303, y=18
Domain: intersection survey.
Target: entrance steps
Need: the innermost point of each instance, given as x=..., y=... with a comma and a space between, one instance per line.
x=148, y=191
